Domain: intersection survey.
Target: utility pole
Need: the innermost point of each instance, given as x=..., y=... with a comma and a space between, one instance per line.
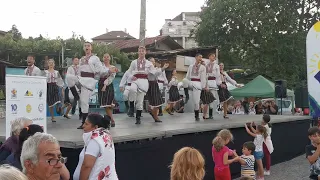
x=143, y=16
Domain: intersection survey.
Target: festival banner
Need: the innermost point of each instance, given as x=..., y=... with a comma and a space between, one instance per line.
x=26, y=97
x=313, y=69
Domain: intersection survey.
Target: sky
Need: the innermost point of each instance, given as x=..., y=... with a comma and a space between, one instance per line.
x=89, y=18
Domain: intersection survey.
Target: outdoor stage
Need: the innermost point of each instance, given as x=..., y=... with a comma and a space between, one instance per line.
x=145, y=151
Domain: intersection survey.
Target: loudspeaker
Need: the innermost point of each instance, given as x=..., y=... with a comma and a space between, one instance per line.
x=280, y=88
x=301, y=97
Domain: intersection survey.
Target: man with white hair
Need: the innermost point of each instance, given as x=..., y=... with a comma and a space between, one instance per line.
x=41, y=158
x=11, y=144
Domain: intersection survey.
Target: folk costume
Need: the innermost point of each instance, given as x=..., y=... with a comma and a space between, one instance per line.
x=154, y=94
x=128, y=96
x=32, y=71
x=73, y=84
x=174, y=95
x=162, y=82
x=91, y=69
x=54, y=83
x=196, y=75
x=140, y=68
x=223, y=92
x=106, y=98
x=211, y=97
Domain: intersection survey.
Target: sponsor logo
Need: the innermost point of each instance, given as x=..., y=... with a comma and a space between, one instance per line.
x=13, y=94
x=14, y=108
x=40, y=107
x=28, y=94
x=28, y=108
x=40, y=93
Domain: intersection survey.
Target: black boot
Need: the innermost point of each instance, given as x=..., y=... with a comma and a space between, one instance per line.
x=127, y=106
x=160, y=111
x=210, y=113
x=196, y=115
x=74, y=93
x=80, y=114
x=131, y=109
x=138, y=115
x=84, y=117
x=186, y=93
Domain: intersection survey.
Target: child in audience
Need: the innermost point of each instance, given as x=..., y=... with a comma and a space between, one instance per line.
x=221, y=153
x=259, y=134
x=313, y=152
x=247, y=160
x=267, y=144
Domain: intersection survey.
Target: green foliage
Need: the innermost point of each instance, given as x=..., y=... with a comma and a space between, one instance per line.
x=2, y=97
x=265, y=36
x=18, y=49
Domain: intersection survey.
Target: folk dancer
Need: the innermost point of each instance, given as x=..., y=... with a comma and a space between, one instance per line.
x=90, y=70
x=196, y=75
x=223, y=92
x=128, y=96
x=32, y=70
x=54, y=83
x=213, y=73
x=106, y=89
x=140, y=68
x=154, y=94
x=73, y=83
x=174, y=95
x=162, y=83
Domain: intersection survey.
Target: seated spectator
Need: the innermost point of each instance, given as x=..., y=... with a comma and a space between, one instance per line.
x=97, y=158
x=41, y=158
x=14, y=158
x=259, y=108
x=271, y=108
x=251, y=109
x=238, y=108
x=11, y=144
x=180, y=105
x=245, y=105
x=188, y=164
x=11, y=173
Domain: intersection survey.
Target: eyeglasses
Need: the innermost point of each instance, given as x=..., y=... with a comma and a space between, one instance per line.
x=53, y=162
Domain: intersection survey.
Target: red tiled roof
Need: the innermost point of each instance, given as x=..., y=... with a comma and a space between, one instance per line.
x=114, y=35
x=124, y=44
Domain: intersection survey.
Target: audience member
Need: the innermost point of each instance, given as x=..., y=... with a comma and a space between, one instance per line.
x=251, y=109
x=259, y=134
x=271, y=108
x=267, y=144
x=11, y=144
x=259, y=108
x=221, y=153
x=238, y=108
x=188, y=164
x=41, y=158
x=97, y=158
x=14, y=158
x=313, y=152
x=247, y=160
x=11, y=173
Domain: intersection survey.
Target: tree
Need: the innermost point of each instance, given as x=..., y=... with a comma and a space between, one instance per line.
x=15, y=32
x=265, y=36
x=18, y=49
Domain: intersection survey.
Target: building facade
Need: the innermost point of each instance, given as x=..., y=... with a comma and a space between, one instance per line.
x=181, y=27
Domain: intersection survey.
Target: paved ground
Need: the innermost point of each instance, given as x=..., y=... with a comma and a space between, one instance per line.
x=295, y=169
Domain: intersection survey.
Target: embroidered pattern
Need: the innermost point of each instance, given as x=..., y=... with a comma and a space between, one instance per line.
x=29, y=71
x=195, y=70
x=141, y=65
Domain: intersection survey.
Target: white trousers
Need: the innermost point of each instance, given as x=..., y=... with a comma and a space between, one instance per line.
x=138, y=95
x=128, y=95
x=84, y=99
x=196, y=98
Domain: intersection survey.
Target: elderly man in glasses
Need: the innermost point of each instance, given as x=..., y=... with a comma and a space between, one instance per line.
x=41, y=158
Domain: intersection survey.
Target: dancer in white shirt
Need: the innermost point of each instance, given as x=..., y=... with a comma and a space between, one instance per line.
x=32, y=70
x=162, y=83
x=128, y=96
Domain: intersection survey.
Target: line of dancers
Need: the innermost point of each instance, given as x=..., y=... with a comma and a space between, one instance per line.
x=144, y=79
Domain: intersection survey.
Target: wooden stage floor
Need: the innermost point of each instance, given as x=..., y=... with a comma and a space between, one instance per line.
x=70, y=137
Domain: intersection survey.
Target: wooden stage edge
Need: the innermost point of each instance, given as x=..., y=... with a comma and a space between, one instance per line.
x=70, y=137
